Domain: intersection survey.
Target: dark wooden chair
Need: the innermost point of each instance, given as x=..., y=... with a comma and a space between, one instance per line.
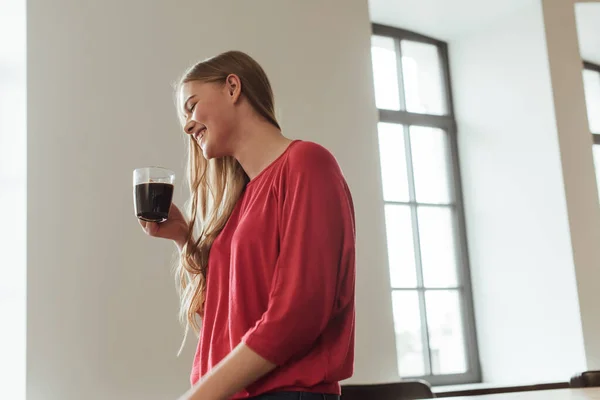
x=403, y=390
x=586, y=379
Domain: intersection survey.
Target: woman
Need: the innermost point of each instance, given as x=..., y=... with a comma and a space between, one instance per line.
x=267, y=257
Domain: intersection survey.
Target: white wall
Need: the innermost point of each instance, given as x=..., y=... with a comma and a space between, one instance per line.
x=525, y=295
x=101, y=301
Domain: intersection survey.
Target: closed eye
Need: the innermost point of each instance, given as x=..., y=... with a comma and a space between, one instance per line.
x=187, y=108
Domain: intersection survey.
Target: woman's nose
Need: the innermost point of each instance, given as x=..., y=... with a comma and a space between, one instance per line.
x=189, y=129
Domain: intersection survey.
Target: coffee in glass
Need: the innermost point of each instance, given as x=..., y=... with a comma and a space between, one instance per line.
x=153, y=193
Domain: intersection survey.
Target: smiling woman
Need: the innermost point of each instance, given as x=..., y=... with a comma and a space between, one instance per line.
x=12, y=199
x=268, y=251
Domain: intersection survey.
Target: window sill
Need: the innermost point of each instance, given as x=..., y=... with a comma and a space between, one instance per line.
x=472, y=389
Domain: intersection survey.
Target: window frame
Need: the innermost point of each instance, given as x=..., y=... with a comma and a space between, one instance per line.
x=448, y=124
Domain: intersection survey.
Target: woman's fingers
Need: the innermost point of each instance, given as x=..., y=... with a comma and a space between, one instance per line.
x=151, y=228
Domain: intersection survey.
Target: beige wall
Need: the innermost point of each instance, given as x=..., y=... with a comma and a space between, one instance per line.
x=577, y=164
x=101, y=301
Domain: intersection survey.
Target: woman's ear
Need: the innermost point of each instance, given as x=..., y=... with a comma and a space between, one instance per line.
x=233, y=86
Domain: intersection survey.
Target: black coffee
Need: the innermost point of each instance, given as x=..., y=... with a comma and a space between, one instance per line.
x=153, y=200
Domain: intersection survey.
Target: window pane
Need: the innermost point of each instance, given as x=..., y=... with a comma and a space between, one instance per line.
x=393, y=162
x=409, y=342
x=385, y=72
x=438, y=252
x=446, y=338
x=591, y=83
x=401, y=250
x=430, y=159
x=12, y=136
x=423, y=83
x=13, y=198
x=596, y=149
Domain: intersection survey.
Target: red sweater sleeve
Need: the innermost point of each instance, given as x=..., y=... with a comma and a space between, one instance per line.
x=316, y=222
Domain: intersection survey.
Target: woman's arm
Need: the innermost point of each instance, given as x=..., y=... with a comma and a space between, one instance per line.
x=314, y=274
x=235, y=372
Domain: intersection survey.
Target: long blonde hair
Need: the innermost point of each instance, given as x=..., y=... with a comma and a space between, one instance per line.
x=215, y=185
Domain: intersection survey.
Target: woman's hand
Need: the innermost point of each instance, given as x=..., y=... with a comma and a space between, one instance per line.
x=174, y=228
x=242, y=367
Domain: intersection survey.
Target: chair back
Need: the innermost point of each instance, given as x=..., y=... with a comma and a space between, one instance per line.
x=586, y=379
x=413, y=389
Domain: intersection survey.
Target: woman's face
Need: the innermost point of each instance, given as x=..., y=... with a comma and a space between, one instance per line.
x=209, y=110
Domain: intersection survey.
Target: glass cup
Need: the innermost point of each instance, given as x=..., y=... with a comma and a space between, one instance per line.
x=153, y=193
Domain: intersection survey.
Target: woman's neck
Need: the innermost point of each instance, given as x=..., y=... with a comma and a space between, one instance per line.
x=260, y=144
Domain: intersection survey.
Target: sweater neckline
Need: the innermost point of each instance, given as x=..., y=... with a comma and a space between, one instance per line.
x=273, y=163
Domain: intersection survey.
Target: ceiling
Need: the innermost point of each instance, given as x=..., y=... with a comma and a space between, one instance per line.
x=448, y=19
x=442, y=19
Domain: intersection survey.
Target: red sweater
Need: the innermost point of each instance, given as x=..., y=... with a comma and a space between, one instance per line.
x=281, y=276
